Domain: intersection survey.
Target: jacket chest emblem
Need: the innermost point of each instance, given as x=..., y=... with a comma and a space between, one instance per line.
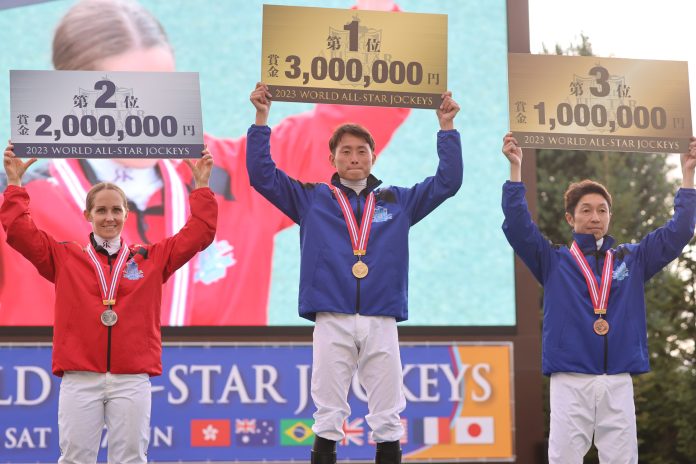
x=132, y=272
x=621, y=272
x=382, y=214
x=213, y=262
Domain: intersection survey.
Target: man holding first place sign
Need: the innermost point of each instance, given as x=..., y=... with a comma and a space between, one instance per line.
x=354, y=268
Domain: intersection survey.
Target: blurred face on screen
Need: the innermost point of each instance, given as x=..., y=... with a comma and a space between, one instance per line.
x=353, y=158
x=153, y=59
x=591, y=216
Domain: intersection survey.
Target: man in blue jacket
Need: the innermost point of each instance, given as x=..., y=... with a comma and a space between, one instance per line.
x=594, y=335
x=354, y=268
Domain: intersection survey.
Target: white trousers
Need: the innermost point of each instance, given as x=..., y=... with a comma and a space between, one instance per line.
x=344, y=343
x=90, y=400
x=584, y=405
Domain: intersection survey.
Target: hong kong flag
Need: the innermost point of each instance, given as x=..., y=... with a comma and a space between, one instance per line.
x=474, y=430
x=210, y=432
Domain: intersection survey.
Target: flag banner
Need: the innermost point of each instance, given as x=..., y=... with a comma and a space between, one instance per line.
x=210, y=432
x=252, y=403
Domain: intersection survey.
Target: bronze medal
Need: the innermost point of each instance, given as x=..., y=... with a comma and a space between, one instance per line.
x=598, y=292
x=601, y=326
x=360, y=269
x=109, y=317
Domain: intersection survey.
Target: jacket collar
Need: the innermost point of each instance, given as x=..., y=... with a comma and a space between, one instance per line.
x=372, y=183
x=588, y=244
x=100, y=249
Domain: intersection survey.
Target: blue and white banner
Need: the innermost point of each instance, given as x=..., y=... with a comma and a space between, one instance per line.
x=251, y=402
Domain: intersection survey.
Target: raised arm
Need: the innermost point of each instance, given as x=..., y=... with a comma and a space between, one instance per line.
x=287, y=194
x=425, y=196
x=446, y=112
x=688, y=163
x=666, y=243
x=520, y=230
x=513, y=153
x=14, y=167
x=22, y=234
x=199, y=231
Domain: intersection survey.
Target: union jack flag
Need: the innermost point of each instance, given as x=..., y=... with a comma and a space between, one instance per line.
x=245, y=426
x=353, y=431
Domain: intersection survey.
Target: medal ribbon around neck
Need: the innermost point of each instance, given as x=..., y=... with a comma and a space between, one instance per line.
x=176, y=212
x=599, y=294
x=358, y=236
x=109, y=291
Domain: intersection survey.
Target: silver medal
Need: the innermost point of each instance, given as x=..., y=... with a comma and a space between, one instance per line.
x=109, y=317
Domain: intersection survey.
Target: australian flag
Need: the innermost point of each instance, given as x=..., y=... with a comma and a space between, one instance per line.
x=255, y=432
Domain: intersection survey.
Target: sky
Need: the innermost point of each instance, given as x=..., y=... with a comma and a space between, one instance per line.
x=644, y=29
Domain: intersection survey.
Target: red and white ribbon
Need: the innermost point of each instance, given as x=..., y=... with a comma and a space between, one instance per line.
x=175, y=213
x=108, y=290
x=358, y=235
x=599, y=293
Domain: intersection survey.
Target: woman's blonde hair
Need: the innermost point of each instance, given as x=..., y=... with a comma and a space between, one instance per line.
x=96, y=29
x=96, y=188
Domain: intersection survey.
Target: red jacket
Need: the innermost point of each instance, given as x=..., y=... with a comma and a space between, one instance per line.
x=80, y=340
x=227, y=284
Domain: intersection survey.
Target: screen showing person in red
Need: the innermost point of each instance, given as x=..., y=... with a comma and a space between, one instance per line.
x=226, y=284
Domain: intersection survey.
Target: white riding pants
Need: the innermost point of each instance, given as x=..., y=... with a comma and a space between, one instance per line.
x=90, y=400
x=344, y=343
x=583, y=406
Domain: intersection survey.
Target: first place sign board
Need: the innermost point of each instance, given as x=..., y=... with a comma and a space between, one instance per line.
x=599, y=104
x=95, y=114
x=354, y=57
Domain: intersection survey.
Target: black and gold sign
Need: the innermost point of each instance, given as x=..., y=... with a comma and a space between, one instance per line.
x=354, y=57
x=599, y=104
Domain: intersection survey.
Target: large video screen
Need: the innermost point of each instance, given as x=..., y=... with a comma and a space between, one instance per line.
x=461, y=268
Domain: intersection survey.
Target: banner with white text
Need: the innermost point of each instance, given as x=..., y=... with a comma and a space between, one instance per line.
x=251, y=403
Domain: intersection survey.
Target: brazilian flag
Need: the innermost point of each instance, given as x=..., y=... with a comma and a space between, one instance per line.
x=296, y=432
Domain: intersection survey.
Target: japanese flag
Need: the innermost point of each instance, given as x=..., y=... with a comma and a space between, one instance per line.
x=474, y=430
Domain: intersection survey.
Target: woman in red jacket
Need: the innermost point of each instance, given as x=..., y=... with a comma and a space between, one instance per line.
x=108, y=295
x=118, y=35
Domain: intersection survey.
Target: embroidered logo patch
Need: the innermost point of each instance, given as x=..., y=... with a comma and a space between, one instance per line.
x=213, y=262
x=621, y=272
x=132, y=272
x=382, y=214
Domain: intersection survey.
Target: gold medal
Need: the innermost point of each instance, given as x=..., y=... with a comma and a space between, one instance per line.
x=109, y=317
x=601, y=326
x=360, y=269
x=358, y=235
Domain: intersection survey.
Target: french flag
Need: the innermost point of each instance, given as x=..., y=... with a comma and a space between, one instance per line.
x=432, y=430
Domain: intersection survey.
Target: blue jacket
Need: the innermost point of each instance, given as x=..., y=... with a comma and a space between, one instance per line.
x=569, y=343
x=326, y=281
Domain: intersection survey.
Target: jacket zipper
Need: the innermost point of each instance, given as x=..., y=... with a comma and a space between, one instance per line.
x=357, y=281
x=108, y=338
x=605, y=337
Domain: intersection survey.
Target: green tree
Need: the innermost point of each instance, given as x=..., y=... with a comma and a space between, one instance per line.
x=642, y=201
